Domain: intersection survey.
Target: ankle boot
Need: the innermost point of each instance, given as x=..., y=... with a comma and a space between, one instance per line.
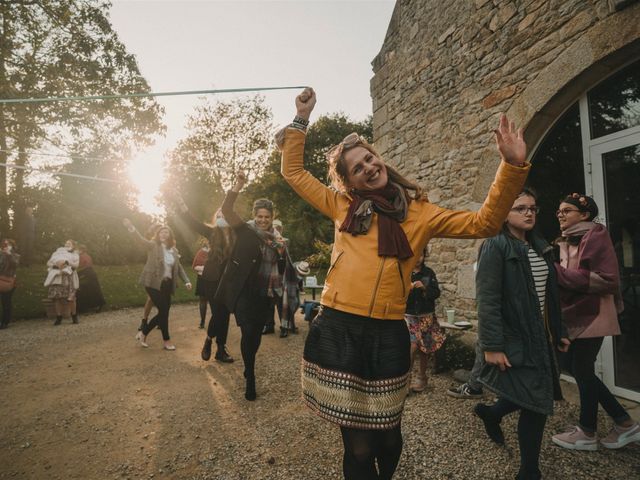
x=206, y=350
x=74, y=318
x=283, y=332
x=58, y=320
x=250, y=391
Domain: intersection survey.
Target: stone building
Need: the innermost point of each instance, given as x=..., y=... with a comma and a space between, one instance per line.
x=568, y=71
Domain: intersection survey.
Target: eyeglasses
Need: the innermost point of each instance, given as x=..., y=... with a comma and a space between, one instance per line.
x=347, y=142
x=522, y=210
x=564, y=211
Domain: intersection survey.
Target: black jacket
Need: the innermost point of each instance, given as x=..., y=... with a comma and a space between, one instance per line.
x=423, y=300
x=510, y=321
x=214, y=266
x=241, y=272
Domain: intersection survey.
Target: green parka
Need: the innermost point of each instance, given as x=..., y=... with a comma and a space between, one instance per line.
x=510, y=321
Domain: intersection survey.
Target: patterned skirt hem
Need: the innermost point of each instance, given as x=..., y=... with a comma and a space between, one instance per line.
x=350, y=401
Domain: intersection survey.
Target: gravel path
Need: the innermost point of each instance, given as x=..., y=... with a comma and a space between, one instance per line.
x=85, y=402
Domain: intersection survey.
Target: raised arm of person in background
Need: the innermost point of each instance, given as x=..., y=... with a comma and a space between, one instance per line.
x=193, y=223
x=148, y=244
x=232, y=218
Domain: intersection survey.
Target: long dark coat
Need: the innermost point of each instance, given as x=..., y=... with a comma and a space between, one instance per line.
x=510, y=321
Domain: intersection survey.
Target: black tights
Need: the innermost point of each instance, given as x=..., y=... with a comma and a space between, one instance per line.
x=202, y=306
x=530, y=432
x=364, y=448
x=162, y=300
x=249, y=344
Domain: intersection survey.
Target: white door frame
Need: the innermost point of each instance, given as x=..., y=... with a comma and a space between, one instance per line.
x=594, y=179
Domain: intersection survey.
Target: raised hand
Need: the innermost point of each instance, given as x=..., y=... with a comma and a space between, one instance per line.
x=305, y=103
x=241, y=181
x=510, y=142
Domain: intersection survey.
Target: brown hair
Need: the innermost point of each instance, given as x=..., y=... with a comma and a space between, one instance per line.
x=8, y=241
x=171, y=241
x=221, y=243
x=338, y=172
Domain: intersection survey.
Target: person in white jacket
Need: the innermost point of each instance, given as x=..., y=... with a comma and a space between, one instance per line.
x=62, y=279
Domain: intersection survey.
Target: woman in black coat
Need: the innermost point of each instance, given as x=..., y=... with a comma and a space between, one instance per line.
x=246, y=282
x=519, y=329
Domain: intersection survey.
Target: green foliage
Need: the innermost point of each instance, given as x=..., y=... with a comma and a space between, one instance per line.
x=322, y=257
x=119, y=285
x=303, y=225
x=68, y=48
x=223, y=138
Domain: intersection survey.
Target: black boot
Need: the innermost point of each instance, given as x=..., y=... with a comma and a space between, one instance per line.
x=58, y=320
x=250, y=391
x=283, y=332
x=206, y=349
x=201, y=326
x=74, y=318
x=268, y=329
x=222, y=355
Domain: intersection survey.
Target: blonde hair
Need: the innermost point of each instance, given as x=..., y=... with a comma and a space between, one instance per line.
x=338, y=172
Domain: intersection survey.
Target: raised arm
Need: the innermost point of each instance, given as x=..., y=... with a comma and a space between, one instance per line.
x=232, y=218
x=507, y=185
x=148, y=244
x=291, y=142
x=193, y=223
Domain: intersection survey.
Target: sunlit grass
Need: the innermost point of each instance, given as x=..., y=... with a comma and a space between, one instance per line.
x=119, y=284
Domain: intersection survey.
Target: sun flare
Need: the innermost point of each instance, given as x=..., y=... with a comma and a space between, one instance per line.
x=146, y=171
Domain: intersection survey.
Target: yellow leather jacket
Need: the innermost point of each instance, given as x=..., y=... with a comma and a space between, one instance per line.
x=358, y=280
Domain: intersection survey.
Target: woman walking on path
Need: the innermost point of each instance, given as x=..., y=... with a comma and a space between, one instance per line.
x=246, y=286
x=221, y=240
x=9, y=260
x=89, y=294
x=357, y=354
x=148, y=304
x=62, y=279
x=425, y=333
x=159, y=278
x=589, y=280
x=520, y=327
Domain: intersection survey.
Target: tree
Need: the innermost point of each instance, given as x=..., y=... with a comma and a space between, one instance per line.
x=303, y=225
x=66, y=48
x=223, y=138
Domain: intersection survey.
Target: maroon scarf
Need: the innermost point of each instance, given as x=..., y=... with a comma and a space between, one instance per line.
x=597, y=274
x=391, y=205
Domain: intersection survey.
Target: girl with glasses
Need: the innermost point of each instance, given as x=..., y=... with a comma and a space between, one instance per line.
x=589, y=280
x=519, y=328
x=357, y=354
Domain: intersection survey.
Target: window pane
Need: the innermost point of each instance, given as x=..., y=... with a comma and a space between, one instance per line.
x=622, y=177
x=557, y=169
x=614, y=105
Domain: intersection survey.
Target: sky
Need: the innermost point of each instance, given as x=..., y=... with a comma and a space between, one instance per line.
x=195, y=45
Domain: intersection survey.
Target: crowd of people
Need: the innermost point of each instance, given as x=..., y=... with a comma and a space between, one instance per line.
x=541, y=307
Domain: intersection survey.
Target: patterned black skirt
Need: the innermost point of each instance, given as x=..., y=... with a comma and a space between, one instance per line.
x=355, y=369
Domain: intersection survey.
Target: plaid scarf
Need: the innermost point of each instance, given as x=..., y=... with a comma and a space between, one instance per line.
x=269, y=279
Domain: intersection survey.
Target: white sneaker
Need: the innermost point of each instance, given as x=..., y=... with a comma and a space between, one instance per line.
x=141, y=338
x=576, y=439
x=621, y=436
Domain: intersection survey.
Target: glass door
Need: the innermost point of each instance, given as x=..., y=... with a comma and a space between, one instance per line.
x=615, y=181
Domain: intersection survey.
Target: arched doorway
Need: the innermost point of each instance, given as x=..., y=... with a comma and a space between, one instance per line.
x=594, y=147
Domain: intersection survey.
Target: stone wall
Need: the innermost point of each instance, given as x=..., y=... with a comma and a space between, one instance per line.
x=447, y=70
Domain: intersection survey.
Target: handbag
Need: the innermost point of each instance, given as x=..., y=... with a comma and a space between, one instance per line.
x=7, y=283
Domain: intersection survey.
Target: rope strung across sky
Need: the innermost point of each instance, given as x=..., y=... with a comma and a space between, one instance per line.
x=150, y=94
x=42, y=170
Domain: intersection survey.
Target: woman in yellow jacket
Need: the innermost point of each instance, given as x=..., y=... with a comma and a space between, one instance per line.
x=356, y=357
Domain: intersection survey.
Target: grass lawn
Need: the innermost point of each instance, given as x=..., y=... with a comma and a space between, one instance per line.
x=119, y=284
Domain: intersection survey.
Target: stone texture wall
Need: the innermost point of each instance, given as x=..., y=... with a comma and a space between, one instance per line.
x=447, y=70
